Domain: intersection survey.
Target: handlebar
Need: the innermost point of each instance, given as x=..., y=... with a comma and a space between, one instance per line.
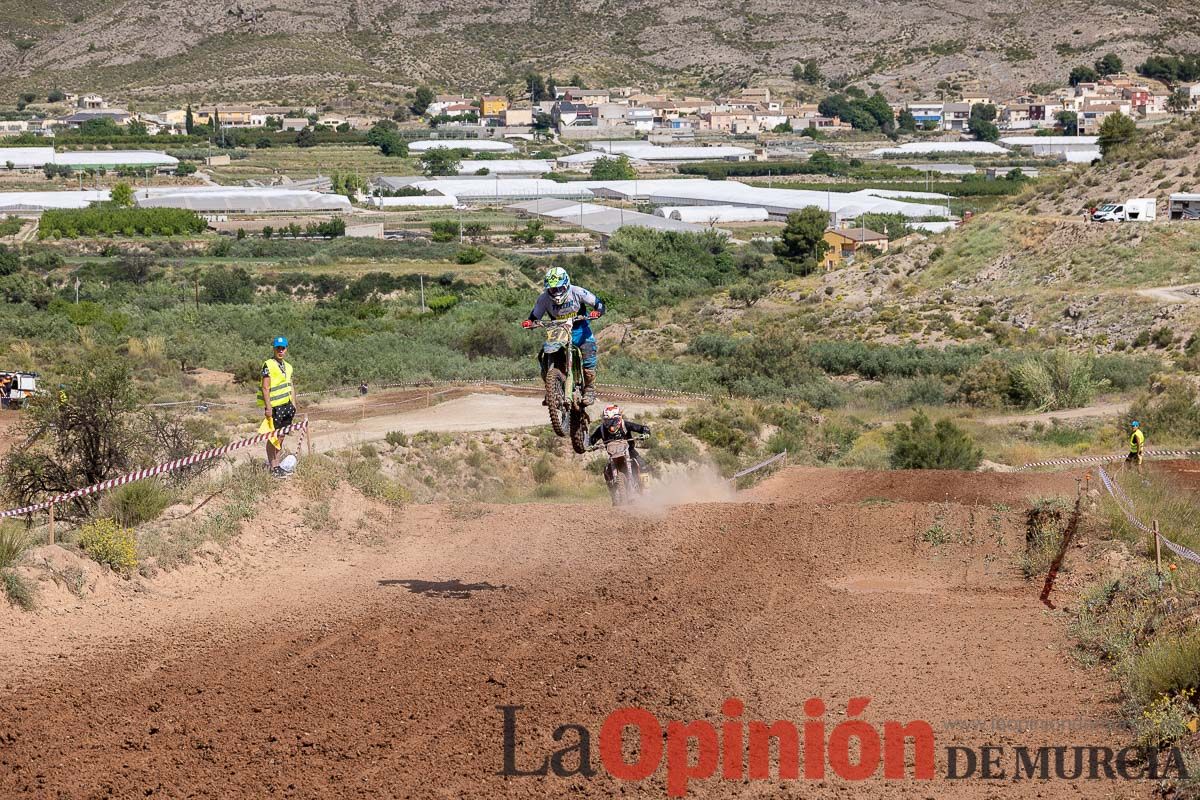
x=641, y=437
x=537, y=323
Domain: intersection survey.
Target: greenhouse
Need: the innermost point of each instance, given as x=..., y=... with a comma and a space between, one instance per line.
x=226, y=200
x=474, y=145
x=710, y=215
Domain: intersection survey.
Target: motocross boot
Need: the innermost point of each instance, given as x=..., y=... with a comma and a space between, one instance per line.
x=589, y=386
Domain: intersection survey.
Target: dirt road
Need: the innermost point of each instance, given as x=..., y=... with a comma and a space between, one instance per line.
x=474, y=412
x=369, y=659
x=1172, y=294
x=1088, y=412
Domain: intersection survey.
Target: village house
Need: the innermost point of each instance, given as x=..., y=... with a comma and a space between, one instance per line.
x=845, y=243
x=956, y=116
x=517, y=117
x=573, y=115
x=587, y=97
x=927, y=112
x=119, y=116
x=1095, y=112
x=492, y=105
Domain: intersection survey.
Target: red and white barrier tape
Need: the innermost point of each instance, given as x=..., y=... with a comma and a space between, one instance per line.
x=158, y=469
x=1126, y=505
x=1064, y=462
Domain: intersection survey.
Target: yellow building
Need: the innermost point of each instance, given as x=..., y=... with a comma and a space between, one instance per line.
x=844, y=243
x=493, y=105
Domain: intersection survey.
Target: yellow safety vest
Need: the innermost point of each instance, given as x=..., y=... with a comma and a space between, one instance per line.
x=281, y=383
x=1135, y=441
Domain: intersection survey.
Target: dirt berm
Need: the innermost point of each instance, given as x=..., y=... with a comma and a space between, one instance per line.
x=368, y=660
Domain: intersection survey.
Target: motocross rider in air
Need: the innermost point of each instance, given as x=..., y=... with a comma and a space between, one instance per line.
x=613, y=425
x=561, y=300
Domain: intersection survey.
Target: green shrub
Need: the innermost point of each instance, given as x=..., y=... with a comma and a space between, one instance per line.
x=135, y=503
x=109, y=221
x=724, y=428
x=1167, y=667
x=470, y=255
x=107, y=542
x=923, y=445
x=543, y=470
x=442, y=303
x=14, y=541
x=988, y=383
x=17, y=590
x=1056, y=379
x=396, y=438
x=671, y=447
x=1174, y=412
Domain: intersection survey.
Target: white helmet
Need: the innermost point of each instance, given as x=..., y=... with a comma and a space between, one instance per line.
x=612, y=412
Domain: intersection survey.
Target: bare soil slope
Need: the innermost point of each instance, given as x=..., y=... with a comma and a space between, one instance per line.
x=290, y=49
x=370, y=664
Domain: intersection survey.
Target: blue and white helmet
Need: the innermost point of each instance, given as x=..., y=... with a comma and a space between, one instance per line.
x=557, y=283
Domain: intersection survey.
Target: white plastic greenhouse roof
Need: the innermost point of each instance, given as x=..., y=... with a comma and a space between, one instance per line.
x=707, y=215
x=932, y=227
x=484, y=189
x=38, y=157
x=587, y=157
x=241, y=200
x=923, y=148
x=1032, y=141
x=603, y=219
x=417, y=201
x=43, y=201
x=115, y=158
x=506, y=166
x=944, y=169
x=27, y=157
x=654, y=152
x=776, y=201
x=478, y=145
x=690, y=192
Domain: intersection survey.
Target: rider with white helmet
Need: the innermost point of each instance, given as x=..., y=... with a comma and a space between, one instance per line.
x=561, y=300
x=613, y=425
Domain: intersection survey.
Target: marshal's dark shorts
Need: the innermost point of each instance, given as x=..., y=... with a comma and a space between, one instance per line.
x=283, y=415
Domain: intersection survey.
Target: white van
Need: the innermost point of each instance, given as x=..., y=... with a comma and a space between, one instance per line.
x=1136, y=209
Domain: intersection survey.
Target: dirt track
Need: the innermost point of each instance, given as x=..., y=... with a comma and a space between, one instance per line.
x=368, y=662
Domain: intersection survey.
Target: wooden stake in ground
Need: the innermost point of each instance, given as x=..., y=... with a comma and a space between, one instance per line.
x=1157, y=549
x=51, y=523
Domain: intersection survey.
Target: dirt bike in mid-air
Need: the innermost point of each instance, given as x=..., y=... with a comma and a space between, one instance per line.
x=626, y=476
x=562, y=371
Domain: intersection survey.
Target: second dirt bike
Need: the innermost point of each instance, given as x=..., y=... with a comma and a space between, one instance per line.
x=625, y=484
x=562, y=372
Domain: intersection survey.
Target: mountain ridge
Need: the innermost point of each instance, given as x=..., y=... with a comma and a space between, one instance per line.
x=295, y=50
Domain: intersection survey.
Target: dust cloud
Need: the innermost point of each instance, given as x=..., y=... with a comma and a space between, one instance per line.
x=681, y=486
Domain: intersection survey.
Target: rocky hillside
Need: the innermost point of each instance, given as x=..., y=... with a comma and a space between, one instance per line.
x=294, y=49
